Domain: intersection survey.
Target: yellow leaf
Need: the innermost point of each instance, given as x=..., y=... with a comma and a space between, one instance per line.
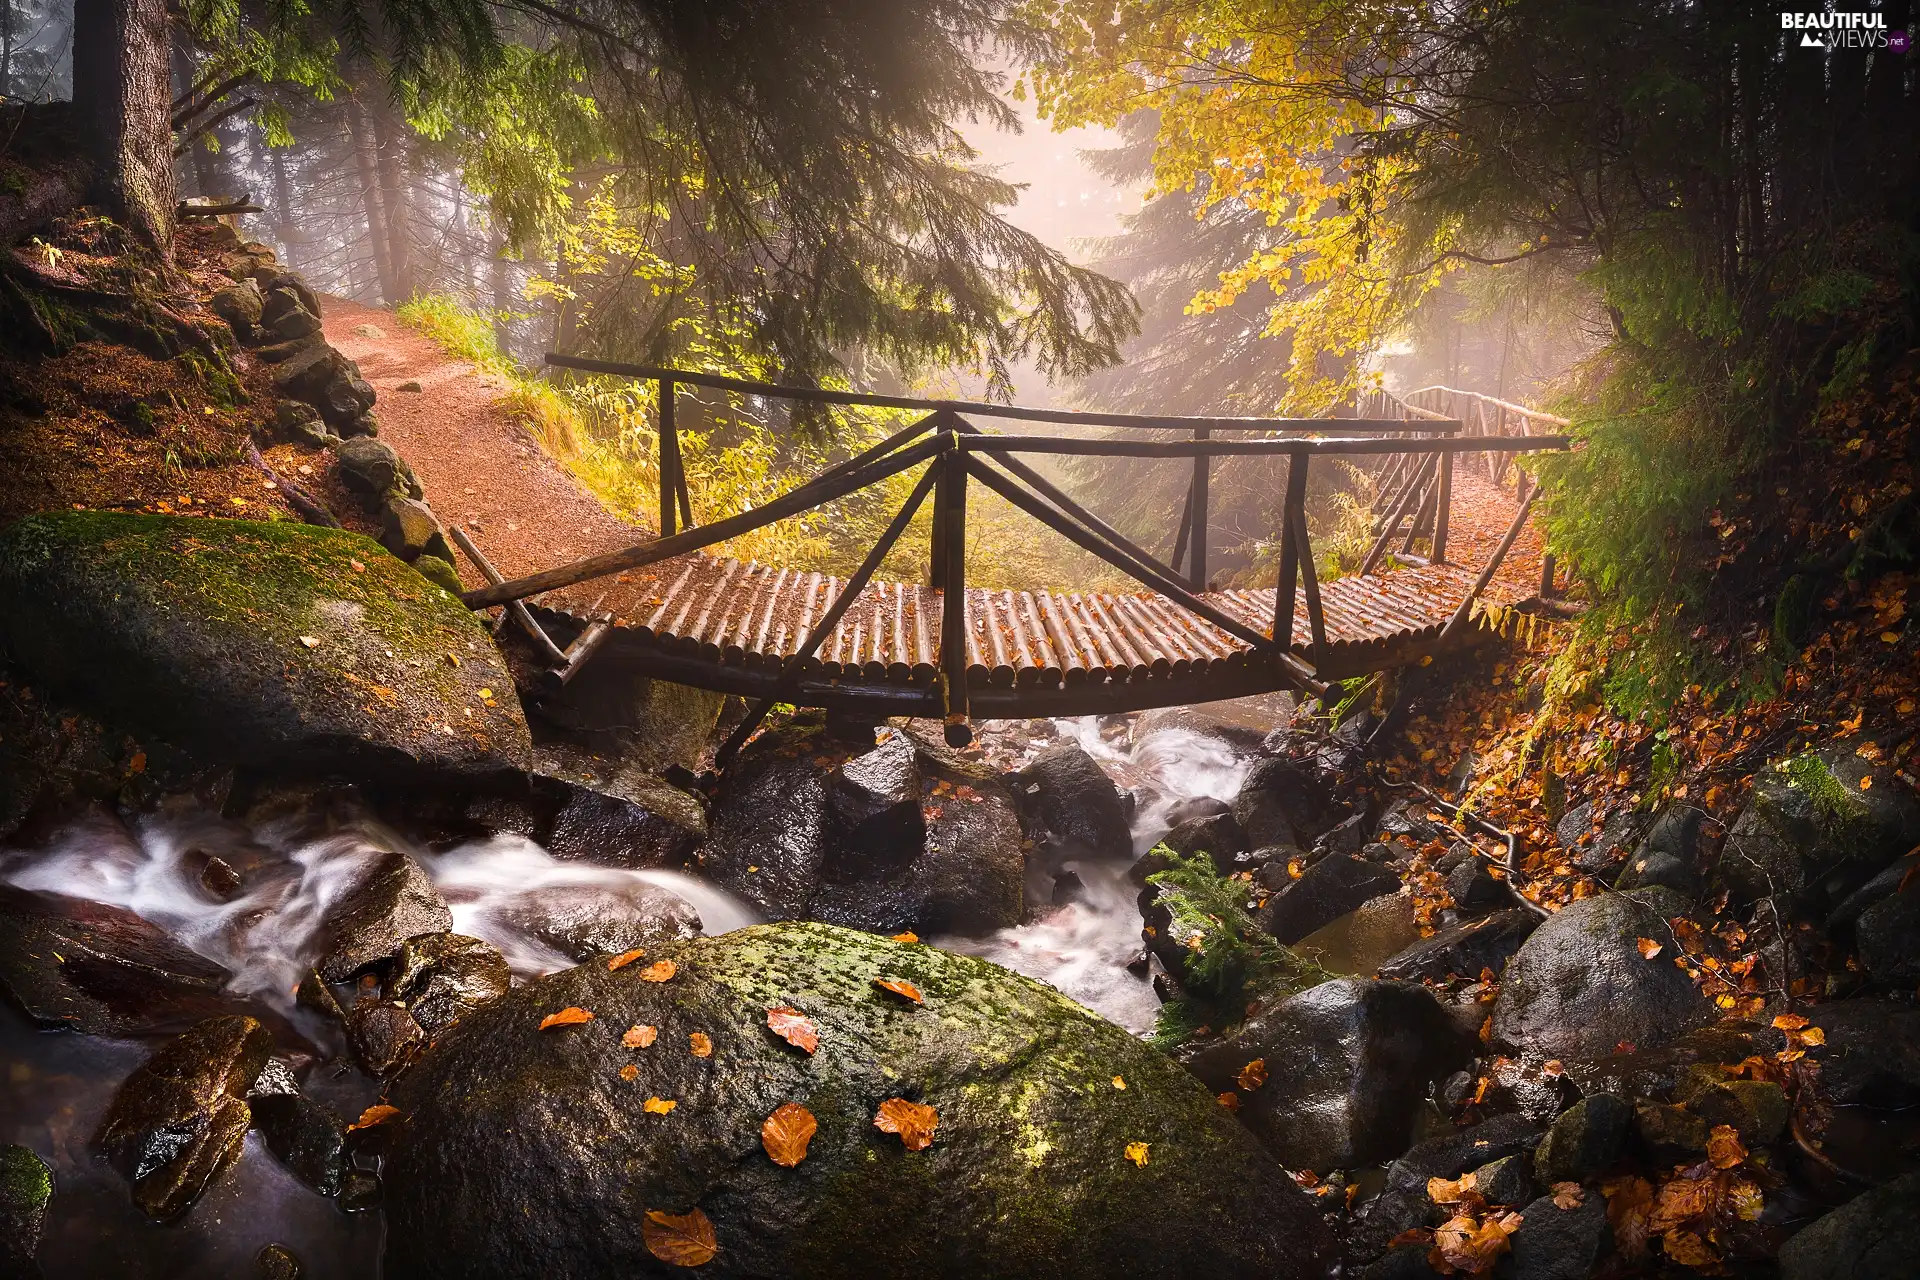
x=629, y=1073
x=908, y=936
x=1451, y=1191
x=659, y=1106
x=1254, y=1074
x=1137, y=1152
x=1119, y=1082
x=379, y=1113
x=1724, y=1147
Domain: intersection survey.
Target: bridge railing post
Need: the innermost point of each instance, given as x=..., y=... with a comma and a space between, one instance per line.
x=669, y=457
x=1287, y=588
x=1444, y=508
x=1197, y=516
x=950, y=516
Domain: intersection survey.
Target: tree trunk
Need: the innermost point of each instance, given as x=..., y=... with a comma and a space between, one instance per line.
x=392, y=155
x=500, y=283
x=121, y=86
x=368, y=168
x=283, y=204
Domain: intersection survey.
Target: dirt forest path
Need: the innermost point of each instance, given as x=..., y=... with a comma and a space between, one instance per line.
x=480, y=468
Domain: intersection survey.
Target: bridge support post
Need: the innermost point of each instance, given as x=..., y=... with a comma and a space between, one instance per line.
x=1444, y=507
x=950, y=517
x=1197, y=516
x=670, y=481
x=1288, y=586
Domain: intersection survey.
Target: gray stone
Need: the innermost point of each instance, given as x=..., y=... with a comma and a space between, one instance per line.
x=281, y=352
x=26, y=1193
x=296, y=421
x=1758, y=1109
x=304, y=1135
x=1669, y=1134
x=1403, y=1203
x=396, y=901
x=384, y=1037
x=1809, y=820
x=1871, y=1054
x=1217, y=835
x=1874, y=1236
x=875, y=802
x=581, y=921
x=1585, y=1140
x=1465, y=949
x=272, y=279
x=1070, y=807
x=409, y=529
x=239, y=305
x=1579, y=987
x=1472, y=885
x=515, y=1136
x=1888, y=937
x=1329, y=889
x=374, y=473
x=1558, y=1244
x=442, y=977
x=1282, y=803
x=1508, y=1180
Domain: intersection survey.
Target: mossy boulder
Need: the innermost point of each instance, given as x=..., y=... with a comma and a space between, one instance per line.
x=26, y=1191
x=270, y=644
x=525, y=1152
x=1818, y=825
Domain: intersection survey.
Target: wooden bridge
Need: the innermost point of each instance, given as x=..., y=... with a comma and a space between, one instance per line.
x=946, y=649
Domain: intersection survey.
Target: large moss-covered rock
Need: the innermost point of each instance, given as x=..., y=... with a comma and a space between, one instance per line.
x=526, y=1153
x=1812, y=832
x=26, y=1191
x=272, y=644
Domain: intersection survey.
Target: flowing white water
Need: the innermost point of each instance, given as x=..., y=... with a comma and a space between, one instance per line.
x=1082, y=948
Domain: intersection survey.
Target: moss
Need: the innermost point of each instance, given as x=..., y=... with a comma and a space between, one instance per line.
x=211, y=372
x=1793, y=611
x=1837, y=808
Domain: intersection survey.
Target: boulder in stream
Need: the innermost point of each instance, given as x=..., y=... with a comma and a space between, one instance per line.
x=26, y=1192
x=1330, y=888
x=586, y=920
x=1464, y=949
x=271, y=644
x=395, y=901
x=442, y=977
x=179, y=1120
x=530, y=1153
x=1071, y=808
x=1875, y=1236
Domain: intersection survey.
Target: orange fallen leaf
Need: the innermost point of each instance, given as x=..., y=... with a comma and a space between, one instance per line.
x=1689, y=1250
x=1137, y=1152
x=1230, y=1100
x=1724, y=1147
x=1451, y=1190
x=1120, y=1082
x=658, y=1106
x=1464, y=1243
x=1649, y=948
x=1567, y=1195
x=913, y=1121
x=1629, y=1203
x=899, y=987
x=908, y=936
x=570, y=1016
x=700, y=1044
x=786, y=1133
x=1789, y=1022
x=1254, y=1074
x=624, y=959
x=659, y=971
x=793, y=1026
x=639, y=1036
x=679, y=1239
x=629, y=1072
x=379, y=1113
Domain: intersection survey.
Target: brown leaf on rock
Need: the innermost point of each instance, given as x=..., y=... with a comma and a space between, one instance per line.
x=624, y=959
x=1568, y=1195
x=379, y=1113
x=629, y=1073
x=1724, y=1147
x=679, y=1239
x=639, y=1036
x=1230, y=1100
x=570, y=1016
x=1464, y=1244
x=913, y=1121
x=700, y=1044
x=786, y=1133
x=900, y=987
x=793, y=1026
x=1450, y=1191
x=1649, y=948
x=658, y=1106
x=1629, y=1205
x=1254, y=1074
x=659, y=971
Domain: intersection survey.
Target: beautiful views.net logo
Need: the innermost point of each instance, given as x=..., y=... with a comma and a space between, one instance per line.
x=1845, y=31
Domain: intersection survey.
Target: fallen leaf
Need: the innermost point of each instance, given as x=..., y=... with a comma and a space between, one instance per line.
x=899, y=987
x=1567, y=1195
x=1649, y=948
x=1412, y=1235
x=1724, y=1147
x=1679, y=1202
x=1747, y=1199
x=624, y=959
x=1789, y=1022
x=567, y=1017
x=700, y=1044
x=1120, y=1082
x=786, y=1133
x=379, y=1113
x=1812, y=1035
x=629, y=1072
x=679, y=1239
x=357, y=566
x=1451, y=1190
x=793, y=1026
x=1137, y=1152
x=1629, y=1203
x=639, y=1036
x=913, y=1121
x=1464, y=1243
x=659, y=971
x=658, y=1106
x=1230, y=1100
x=1688, y=1249
x=1254, y=1074
x=312, y=642
x=908, y=936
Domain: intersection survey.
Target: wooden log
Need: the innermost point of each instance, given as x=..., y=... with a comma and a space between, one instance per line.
x=1286, y=586
x=1074, y=446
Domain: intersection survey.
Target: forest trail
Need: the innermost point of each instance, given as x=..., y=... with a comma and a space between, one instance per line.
x=480, y=468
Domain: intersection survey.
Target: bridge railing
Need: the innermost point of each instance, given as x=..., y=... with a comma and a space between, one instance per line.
x=961, y=454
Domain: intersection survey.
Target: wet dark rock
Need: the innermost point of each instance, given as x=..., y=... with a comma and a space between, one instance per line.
x=1663, y=1072
x=1558, y=1244
x=776, y=843
x=383, y=1036
x=409, y=529
x=1068, y=887
x=179, y=1120
x=1403, y=1262
x=297, y=421
x=1403, y=1203
x=1218, y=835
x=1871, y=1054
x=285, y=318
x=1187, y=808
x=1585, y=1140
x=1508, y=1180
x=278, y=1078
x=874, y=800
x=239, y=305
x=1579, y=987
x=442, y=977
x=215, y=875
x=282, y=352
x=26, y=1193
x=396, y=901
x=1329, y=889
x=304, y=1135
x=1888, y=938
x=580, y=921
x=1140, y=963
x=293, y=281
x=1842, y=920
x=1349, y=1064
x=1472, y=885
x=360, y=1190
x=1671, y=853
x=372, y=472
x=1345, y=836
x=515, y=1136
x=625, y=817
x=314, y=994
x=233, y=639
x=1405, y=818
x=1465, y=949
x=1758, y=1109
x=1070, y=806
x=1809, y=832
x=1281, y=803
x=99, y=970
x=277, y=1262
x=1875, y=1236
x=1669, y=1134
